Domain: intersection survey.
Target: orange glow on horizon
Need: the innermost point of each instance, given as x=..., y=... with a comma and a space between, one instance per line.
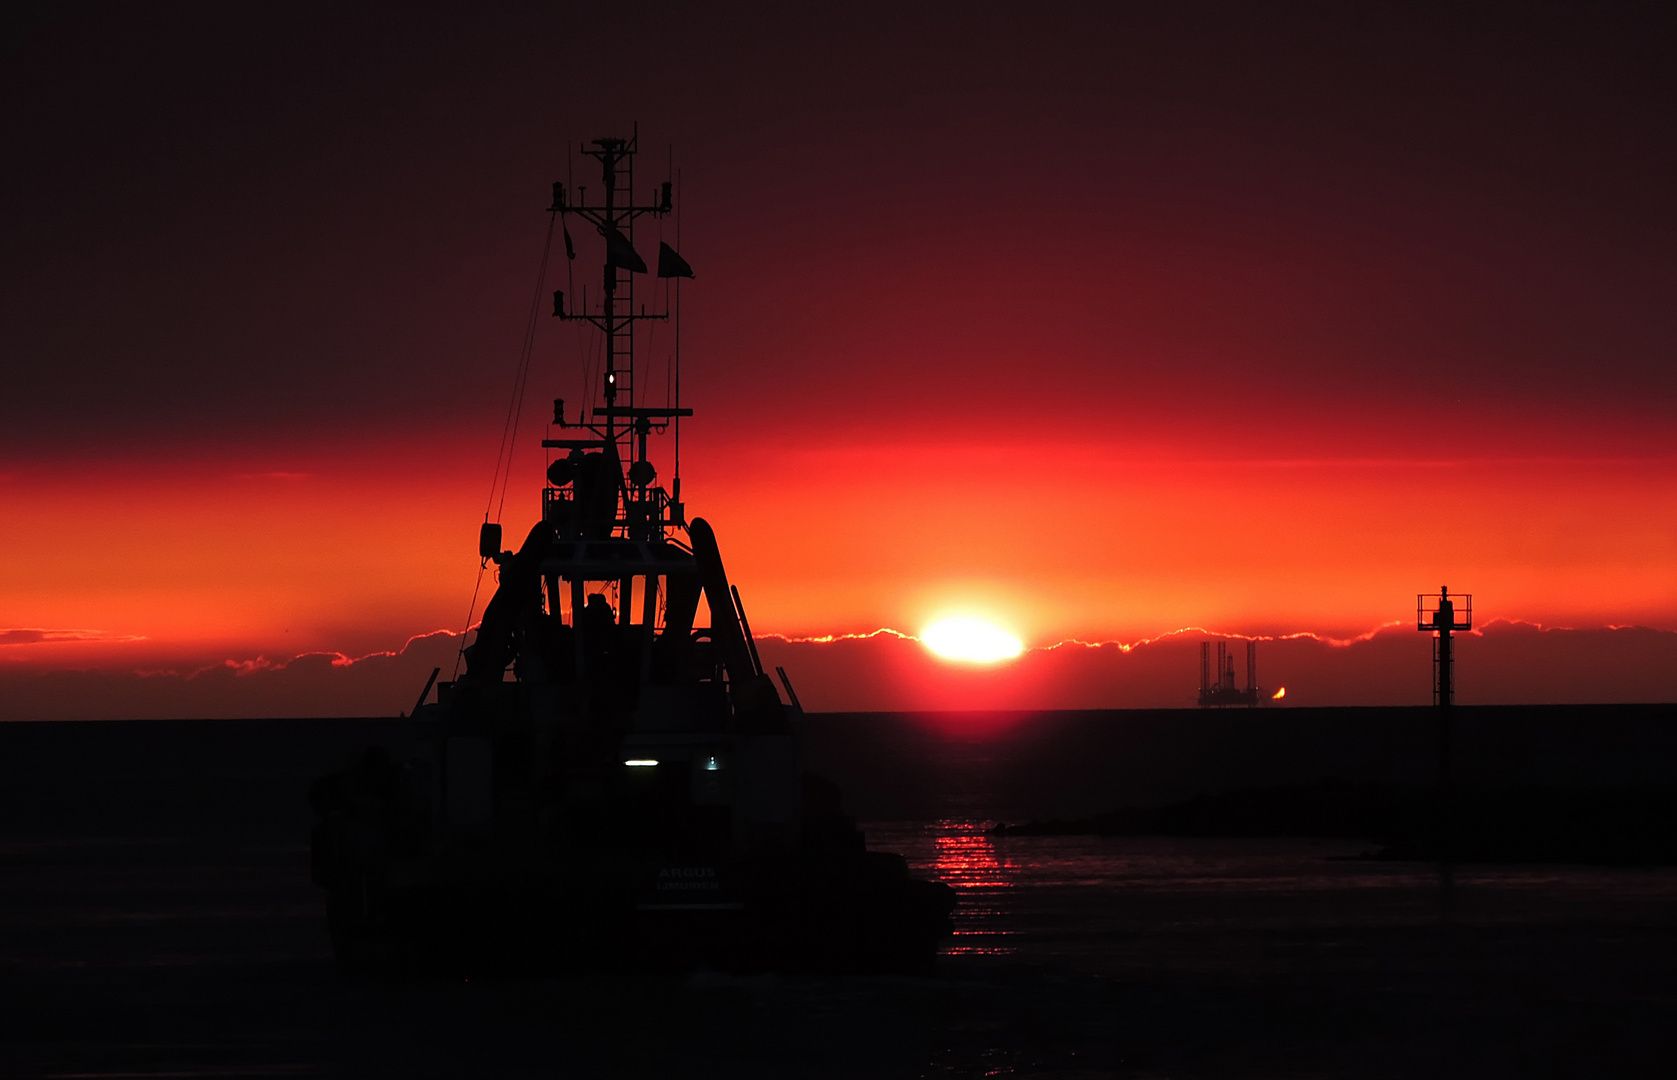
x=342, y=549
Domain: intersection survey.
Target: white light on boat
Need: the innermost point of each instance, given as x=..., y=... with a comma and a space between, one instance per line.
x=711, y=764
x=641, y=763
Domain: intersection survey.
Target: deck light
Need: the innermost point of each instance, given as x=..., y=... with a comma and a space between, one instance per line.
x=641, y=763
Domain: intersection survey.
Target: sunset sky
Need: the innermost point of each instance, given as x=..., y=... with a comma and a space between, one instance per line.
x=1100, y=321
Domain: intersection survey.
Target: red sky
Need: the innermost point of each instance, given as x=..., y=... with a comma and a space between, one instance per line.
x=1104, y=322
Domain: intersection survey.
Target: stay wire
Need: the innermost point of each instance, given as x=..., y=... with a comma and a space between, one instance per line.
x=460, y=653
x=516, y=407
x=509, y=432
x=679, y=194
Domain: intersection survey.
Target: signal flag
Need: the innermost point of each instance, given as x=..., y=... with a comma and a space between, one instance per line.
x=621, y=253
x=671, y=264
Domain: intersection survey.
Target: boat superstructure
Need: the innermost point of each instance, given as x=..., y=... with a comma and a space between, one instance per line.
x=614, y=773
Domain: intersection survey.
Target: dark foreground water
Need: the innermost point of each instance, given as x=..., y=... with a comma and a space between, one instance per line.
x=156, y=920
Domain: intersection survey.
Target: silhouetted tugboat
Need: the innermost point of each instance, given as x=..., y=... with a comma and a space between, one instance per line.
x=633, y=791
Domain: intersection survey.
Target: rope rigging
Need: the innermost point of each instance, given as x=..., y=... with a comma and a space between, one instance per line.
x=509, y=430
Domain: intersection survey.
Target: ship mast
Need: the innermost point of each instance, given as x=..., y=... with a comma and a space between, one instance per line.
x=647, y=509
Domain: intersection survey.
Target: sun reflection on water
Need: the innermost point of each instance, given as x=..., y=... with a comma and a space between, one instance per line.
x=965, y=857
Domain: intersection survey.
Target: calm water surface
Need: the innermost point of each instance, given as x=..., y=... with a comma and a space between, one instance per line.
x=1104, y=903
x=156, y=919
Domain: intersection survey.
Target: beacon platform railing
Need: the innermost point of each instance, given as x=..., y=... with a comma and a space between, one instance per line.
x=1460, y=613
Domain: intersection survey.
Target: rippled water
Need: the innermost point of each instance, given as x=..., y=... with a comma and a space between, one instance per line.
x=156, y=918
x=1103, y=902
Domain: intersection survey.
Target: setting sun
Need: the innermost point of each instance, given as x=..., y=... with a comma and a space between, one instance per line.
x=973, y=641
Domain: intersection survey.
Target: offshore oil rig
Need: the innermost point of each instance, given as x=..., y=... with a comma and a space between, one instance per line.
x=1219, y=691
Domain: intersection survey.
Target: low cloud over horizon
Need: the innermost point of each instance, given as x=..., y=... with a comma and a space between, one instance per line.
x=38, y=635
x=1503, y=663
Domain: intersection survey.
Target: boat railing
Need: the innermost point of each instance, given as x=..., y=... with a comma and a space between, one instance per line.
x=641, y=510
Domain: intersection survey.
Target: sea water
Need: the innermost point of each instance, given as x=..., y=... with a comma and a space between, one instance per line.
x=1101, y=903
x=158, y=919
